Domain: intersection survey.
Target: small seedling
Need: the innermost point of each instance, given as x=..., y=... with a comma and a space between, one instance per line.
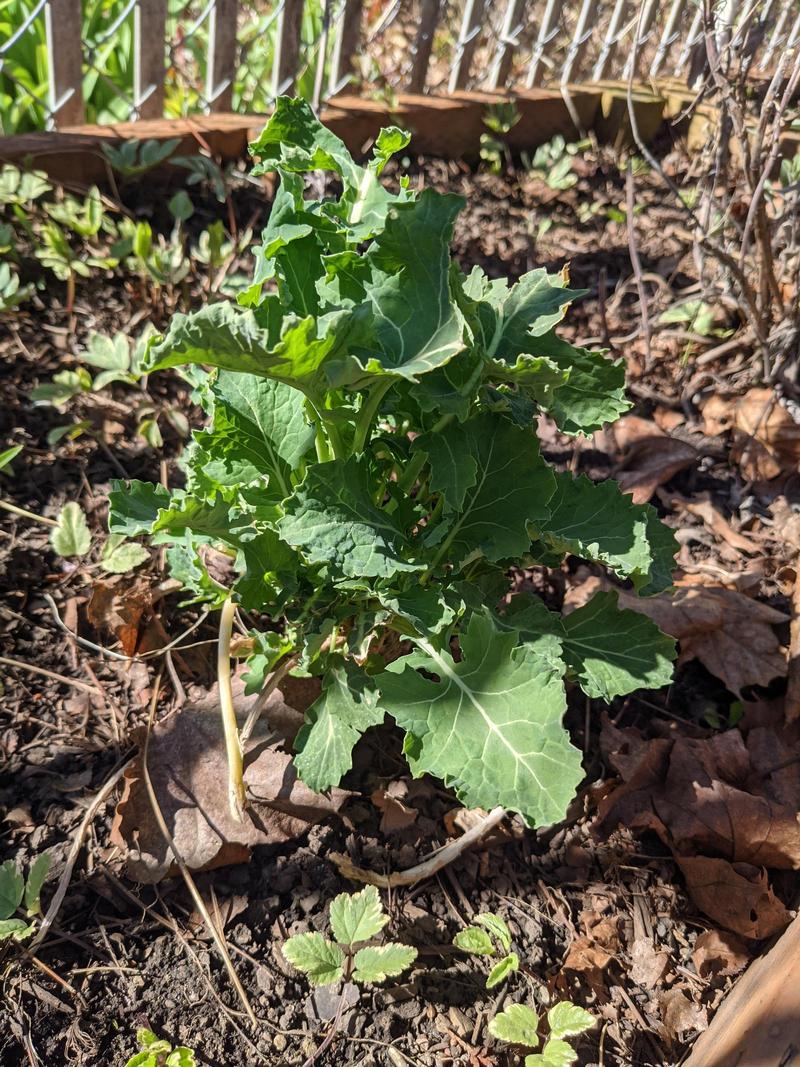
x=156, y=1052
x=12, y=294
x=500, y=119
x=552, y=162
x=496, y=937
x=134, y=158
x=355, y=918
x=16, y=891
x=18, y=189
x=520, y=1025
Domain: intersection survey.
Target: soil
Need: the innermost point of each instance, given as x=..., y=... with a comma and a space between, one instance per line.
x=123, y=955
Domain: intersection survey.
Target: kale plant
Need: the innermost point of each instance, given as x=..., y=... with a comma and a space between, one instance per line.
x=370, y=473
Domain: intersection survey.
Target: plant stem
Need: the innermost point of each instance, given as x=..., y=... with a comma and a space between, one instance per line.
x=440, y=424
x=27, y=514
x=237, y=797
x=369, y=409
x=275, y=679
x=443, y=550
x=405, y=482
x=335, y=439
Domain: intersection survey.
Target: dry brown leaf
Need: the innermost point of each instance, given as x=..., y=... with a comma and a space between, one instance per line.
x=716, y=522
x=680, y=1015
x=766, y=439
x=647, y=965
x=717, y=415
x=737, y=896
x=589, y=960
x=396, y=815
x=692, y=793
x=731, y=634
x=667, y=419
x=116, y=606
x=188, y=769
x=787, y=523
x=650, y=457
x=719, y=952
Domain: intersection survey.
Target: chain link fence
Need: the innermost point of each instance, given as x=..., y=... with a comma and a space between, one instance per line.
x=68, y=62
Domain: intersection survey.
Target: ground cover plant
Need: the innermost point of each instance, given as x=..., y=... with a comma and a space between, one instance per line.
x=371, y=471
x=355, y=918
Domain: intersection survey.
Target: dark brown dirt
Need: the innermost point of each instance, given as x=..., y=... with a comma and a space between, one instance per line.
x=137, y=956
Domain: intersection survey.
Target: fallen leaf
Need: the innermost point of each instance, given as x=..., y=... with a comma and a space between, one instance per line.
x=666, y=419
x=396, y=815
x=188, y=768
x=716, y=522
x=719, y=952
x=787, y=523
x=647, y=965
x=693, y=793
x=717, y=415
x=284, y=709
x=731, y=634
x=737, y=896
x=116, y=606
x=766, y=439
x=680, y=1015
x=589, y=960
x=651, y=457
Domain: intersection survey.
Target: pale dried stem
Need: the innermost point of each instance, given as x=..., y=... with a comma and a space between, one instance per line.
x=430, y=866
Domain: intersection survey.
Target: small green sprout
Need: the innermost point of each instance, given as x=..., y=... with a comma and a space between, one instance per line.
x=133, y=158
x=15, y=892
x=12, y=294
x=156, y=1052
x=520, y=1025
x=478, y=942
x=355, y=918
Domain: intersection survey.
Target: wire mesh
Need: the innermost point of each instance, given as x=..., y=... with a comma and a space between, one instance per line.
x=475, y=44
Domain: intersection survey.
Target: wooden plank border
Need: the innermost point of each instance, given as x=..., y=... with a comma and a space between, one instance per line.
x=449, y=127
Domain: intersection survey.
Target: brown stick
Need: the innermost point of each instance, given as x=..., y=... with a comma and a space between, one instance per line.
x=435, y=862
x=758, y=1024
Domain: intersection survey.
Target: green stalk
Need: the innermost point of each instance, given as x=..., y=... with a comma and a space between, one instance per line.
x=237, y=797
x=440, y=424
x=369, y=410
x=443, y=550
x=335, y=439
x=405, y=483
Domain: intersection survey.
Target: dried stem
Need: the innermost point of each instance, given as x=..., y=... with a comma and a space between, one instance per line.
x=237, y=797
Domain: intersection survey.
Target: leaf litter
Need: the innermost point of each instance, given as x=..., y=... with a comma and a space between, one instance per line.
x=187, y=767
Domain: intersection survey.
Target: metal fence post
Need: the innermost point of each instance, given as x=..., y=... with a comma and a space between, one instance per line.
x=63, y=21
x=149, y=47
x=221, y=69
x=548, y=29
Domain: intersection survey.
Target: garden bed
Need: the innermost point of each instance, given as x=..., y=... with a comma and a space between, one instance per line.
x=599, y=915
